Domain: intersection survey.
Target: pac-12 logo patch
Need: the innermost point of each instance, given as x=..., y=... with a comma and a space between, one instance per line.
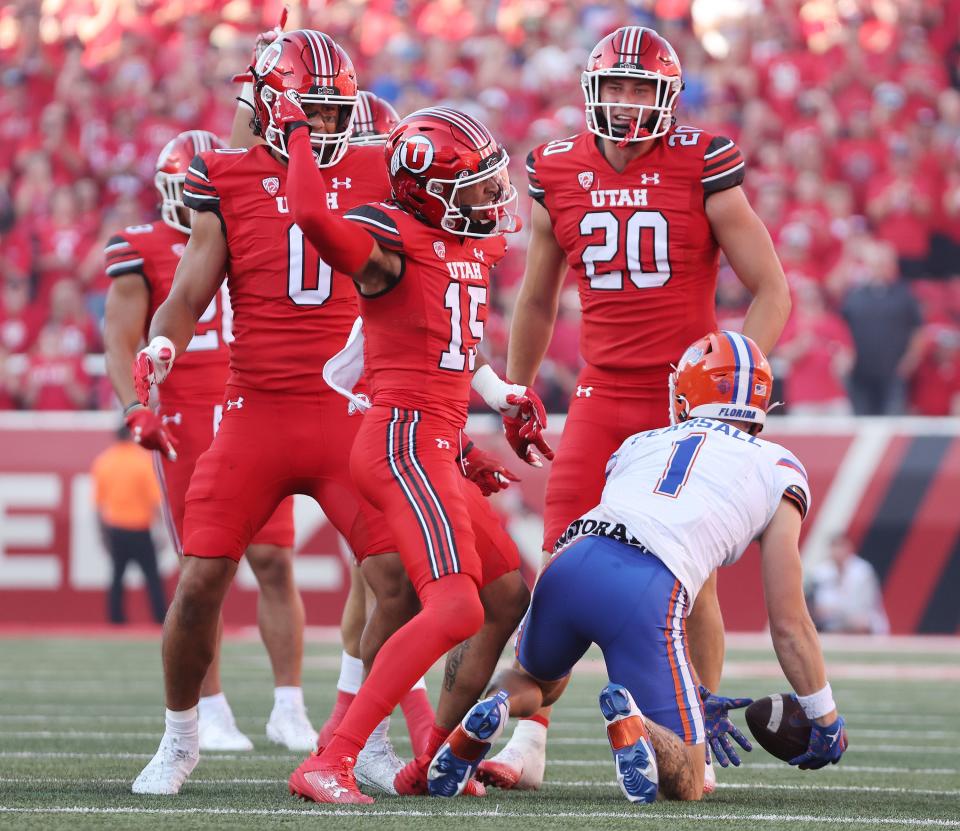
x=271, y=185
x=585, y=178
x=440, y=249
x=414, y=153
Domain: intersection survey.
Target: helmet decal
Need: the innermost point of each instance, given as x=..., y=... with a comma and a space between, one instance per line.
x=415, y=154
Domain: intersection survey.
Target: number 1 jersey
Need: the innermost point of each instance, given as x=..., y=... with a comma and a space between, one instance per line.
x=638, y=242
x=290, y=313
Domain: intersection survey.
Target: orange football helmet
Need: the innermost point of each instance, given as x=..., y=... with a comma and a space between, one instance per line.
x=723, y=375
x=172, y=164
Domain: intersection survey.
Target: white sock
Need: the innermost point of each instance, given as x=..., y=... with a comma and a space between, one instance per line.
x=421, y=684
x=530, y=732
x=351, y=674
x=211, y=706
x=182, y=724
x=288, y=697
x=378, y=738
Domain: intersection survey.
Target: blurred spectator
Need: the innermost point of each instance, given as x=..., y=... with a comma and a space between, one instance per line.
x=884, y=320
x=52, y=380
x=816, y=353
x=8, y=381
x=127, y=498
x=935, y=387
x=19, y=320
x=844, y=595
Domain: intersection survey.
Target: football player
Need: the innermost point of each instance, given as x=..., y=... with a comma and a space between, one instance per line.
x=638, y=208
x=283, y=430
x=421, y=264
x=678, y=502
x=141, y=260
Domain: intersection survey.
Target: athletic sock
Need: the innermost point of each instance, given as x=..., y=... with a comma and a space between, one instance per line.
x=531, y=731
x=438, y=735
x=418, y=713
x=451, y=612
x=351, y=677
x=182, y=724
x=288, y=697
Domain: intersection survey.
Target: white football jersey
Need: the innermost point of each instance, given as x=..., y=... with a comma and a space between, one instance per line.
x=695, y=495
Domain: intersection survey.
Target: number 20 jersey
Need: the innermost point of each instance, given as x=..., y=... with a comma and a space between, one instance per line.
x=290, y=313
x=696, y=494
x=638, y=241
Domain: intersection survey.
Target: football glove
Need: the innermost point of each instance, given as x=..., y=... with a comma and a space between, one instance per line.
x=825, y=747
x=719, y=727
x=524, y=431
x=152, y=365
x=287, y=112
x=485, y=470
x=148, y=430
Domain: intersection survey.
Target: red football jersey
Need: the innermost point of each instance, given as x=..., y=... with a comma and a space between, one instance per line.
x=638, y=241
x=421, y=335
x=153, y=251
x=289, y=312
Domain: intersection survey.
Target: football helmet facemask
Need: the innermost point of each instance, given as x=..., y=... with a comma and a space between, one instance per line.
x=632, y=53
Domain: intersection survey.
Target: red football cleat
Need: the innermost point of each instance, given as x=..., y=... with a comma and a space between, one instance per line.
x=331, y=782
x=412, y=780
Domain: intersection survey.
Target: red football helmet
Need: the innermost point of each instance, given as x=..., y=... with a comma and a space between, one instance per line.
x=637, y=53
x=374, y=120
x=320, y=72
x=723, y=375
x=435, y=156
x=172, y=164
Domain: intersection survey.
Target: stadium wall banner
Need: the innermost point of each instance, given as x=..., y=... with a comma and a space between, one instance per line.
x=892, y=484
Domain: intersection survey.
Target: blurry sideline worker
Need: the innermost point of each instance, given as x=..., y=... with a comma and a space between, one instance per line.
x=844, y=593
x=127, y=497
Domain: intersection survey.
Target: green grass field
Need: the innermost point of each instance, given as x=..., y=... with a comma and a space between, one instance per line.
x=79, y=718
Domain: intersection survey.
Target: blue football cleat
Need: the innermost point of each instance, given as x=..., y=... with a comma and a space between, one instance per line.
x=630, y=744
x=457, y=759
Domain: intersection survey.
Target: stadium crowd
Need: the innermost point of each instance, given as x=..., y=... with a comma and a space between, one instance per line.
x=847, y=111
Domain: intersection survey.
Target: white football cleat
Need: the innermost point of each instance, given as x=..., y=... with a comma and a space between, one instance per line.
x=377, y=766
x=166, y=772
x=289, y=726
x=709, y=779
x=218, y=731
x=521, y=764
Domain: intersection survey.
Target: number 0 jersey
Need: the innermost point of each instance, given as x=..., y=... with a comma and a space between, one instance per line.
x=290, y=312
x=153, y=251
x=422, y=333
x=638, y=241
x=696, y=495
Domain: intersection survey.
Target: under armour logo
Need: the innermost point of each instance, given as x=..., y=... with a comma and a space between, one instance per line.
x=176, y=418
x=478, y=253
x=649, y=178
x=442, y=444
x=353, y=409
x=238, y=404
x=331, y=786
x=584, y=392
x=338, y=183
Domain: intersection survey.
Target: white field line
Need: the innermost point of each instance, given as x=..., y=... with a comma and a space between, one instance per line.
x=639, y=815
x=214, y=758
x=850, y=713
x=579, y=783
x=589, y=741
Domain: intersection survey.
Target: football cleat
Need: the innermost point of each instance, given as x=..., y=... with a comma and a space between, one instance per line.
x=630, y=744
x=219, y=732
x=166, y=772
x=521, y=764
x=290, y=726
x=411, y=780
x=327, y=782
x=377, y=767
x=458, y=757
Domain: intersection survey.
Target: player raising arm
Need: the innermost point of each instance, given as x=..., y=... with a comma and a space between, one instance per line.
x=679, y=502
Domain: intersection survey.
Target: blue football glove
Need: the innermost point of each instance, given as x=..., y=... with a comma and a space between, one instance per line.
x=825, y=747
x=718, y=726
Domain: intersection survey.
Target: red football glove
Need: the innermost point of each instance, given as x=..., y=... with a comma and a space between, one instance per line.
x=286, y=112
x=527, y=427
x=149, y=431
x=151, y=366
x=485, y=470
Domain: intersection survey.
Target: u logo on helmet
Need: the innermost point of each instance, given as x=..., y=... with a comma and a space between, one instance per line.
x=269, y=59
x=414, y=153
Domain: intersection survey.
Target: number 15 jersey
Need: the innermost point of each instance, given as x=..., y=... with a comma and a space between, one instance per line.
x=638, y=241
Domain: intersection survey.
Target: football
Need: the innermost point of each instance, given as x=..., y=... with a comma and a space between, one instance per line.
x=779, y=725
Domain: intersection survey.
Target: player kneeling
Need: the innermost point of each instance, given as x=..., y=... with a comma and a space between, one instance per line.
x=678, y=502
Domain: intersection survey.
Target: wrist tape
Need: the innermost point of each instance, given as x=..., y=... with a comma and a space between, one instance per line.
x=817, y=704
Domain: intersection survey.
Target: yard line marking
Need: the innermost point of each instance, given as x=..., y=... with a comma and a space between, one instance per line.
x=842, y=768
x=644, y=816
x=580, y=783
